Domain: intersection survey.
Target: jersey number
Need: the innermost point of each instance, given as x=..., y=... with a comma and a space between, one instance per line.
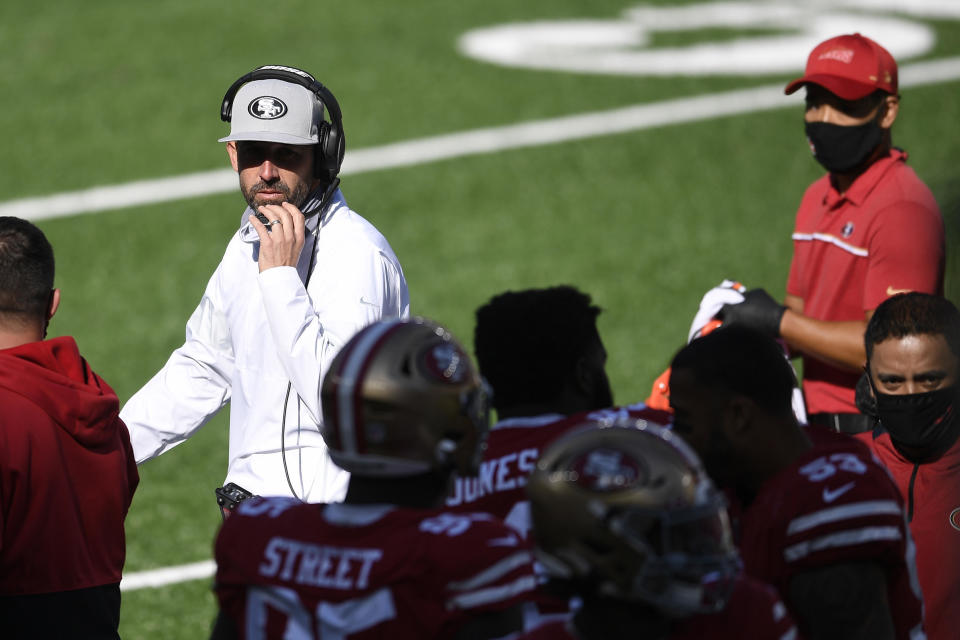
x=329, y=622
x=827, y=466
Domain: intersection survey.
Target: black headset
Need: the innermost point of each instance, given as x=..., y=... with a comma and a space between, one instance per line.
x=330, y=142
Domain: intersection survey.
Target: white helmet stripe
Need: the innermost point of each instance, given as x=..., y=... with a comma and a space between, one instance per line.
x=352, y=368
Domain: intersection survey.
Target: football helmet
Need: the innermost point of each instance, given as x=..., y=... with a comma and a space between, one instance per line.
x=627, y=511
x=402, y=398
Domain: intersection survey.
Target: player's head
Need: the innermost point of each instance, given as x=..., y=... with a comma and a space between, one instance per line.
x=542, y=347
x=723, y=382
x=401, y=399
x=280, y=143
x=851, y=101
x=913, y=365
x=626, y=512
x=27, y=296
x=914, y=314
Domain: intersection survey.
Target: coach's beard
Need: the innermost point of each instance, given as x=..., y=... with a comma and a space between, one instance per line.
x=296, y=196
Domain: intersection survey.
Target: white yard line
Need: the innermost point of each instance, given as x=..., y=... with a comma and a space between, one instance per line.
x=402, y=154
x=456, y=145
x=168, y=575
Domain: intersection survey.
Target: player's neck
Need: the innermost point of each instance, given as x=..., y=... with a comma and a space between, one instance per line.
x=10, y=338
x=425, y=491
x=607, y=619
x=565, y=407
x=789, y=443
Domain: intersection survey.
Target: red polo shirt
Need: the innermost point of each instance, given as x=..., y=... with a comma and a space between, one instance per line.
x=853, y=250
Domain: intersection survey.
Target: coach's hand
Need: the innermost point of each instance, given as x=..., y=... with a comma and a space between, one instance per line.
x=758, y=311
x=281, y=239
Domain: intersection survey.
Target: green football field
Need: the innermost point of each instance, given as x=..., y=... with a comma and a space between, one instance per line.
x=644, y=217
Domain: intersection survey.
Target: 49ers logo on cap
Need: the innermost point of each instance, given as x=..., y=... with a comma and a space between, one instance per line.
x=267, y=108
x=955, y=518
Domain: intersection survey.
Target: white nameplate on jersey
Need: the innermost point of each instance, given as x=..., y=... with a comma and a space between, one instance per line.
x=318, y=565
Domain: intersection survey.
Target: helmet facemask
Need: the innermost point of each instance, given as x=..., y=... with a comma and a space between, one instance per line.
x=689, y=562
x=643, y=525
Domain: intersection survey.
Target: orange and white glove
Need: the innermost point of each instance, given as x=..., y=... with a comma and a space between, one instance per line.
x=727, y=292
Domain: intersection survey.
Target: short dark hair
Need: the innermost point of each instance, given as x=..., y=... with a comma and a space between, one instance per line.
x=26, y=271
x=855, y=108
x=528, y=342
x=914, y=313
x=744, y=362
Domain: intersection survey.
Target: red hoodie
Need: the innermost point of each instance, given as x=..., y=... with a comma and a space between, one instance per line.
x=67, y=472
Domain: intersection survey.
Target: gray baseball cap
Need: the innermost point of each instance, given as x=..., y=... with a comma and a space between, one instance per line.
x=275, y=111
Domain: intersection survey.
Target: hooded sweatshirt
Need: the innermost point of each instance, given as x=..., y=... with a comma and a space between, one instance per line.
x=67, y=472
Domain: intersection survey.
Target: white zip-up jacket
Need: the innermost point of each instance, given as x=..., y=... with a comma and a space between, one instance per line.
x=252, y=334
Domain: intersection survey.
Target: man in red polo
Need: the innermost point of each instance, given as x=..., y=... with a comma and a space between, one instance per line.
x=867, y=230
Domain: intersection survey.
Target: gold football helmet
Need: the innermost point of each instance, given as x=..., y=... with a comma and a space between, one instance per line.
x=401, y=398
x=627, y=511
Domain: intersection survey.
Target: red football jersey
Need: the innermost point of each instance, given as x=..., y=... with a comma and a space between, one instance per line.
x=754, y=611
x=357, y=572
x=835, y=504
x=513, y=447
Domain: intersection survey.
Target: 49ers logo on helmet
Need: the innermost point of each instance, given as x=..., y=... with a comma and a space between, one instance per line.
x=608, y=470
x=445, y=362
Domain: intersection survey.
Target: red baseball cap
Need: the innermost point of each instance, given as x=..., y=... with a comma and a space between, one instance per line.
x=850, y=66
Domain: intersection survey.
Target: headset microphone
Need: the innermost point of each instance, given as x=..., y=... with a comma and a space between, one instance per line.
x=327, y=194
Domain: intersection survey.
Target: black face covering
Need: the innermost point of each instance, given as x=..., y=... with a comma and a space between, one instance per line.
x=842, y=149
x=921, y=425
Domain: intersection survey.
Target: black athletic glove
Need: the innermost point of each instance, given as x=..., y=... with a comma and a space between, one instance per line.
x=758, y=311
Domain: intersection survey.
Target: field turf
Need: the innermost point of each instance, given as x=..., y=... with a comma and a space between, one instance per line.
x=107, y=91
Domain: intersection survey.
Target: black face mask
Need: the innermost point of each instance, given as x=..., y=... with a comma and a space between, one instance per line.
x=842, y=149
x=921, y=425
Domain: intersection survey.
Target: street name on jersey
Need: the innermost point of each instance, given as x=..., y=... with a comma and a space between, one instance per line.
x=318, y=565
x=505, y=473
